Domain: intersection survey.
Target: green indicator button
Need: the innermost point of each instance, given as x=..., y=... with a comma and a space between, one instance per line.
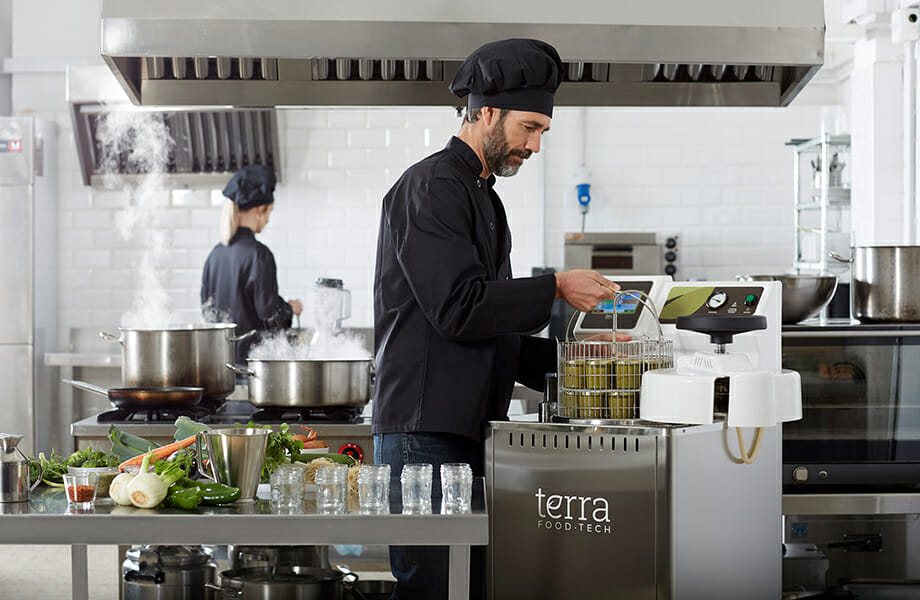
x=750, y=300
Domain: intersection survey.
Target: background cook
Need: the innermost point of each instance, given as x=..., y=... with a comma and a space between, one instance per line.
x=451, y=325
x=240, y=280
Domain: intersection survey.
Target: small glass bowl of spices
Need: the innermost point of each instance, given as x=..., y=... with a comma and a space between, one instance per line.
x=80, y=490
x=105, y=476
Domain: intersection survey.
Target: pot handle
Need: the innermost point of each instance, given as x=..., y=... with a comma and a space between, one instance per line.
x=223, y=590
x=41, y=470
x=88, y=387
x=349, y=577
x=371, y=372
x=245, y=336
x=111, y=338
x=839, y=258
x=239, y=371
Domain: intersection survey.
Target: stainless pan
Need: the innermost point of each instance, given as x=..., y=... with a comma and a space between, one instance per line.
x=309, y=383
x=885, y=284
x=145, y=398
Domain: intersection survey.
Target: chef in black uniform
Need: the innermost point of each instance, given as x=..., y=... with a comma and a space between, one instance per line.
x=240, y=280
x=451, y=325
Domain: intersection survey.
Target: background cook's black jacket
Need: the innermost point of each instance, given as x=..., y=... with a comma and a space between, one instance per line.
x=241, y=279
x=448, y=317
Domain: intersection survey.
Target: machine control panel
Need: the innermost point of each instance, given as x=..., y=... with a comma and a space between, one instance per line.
x=704, y=300
x=628, y=308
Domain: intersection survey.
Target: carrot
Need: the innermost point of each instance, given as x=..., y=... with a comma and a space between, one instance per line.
x=313, y=444
x=158, y=453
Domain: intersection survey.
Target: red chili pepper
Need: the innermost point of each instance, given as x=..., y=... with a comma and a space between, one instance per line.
x=81, y=493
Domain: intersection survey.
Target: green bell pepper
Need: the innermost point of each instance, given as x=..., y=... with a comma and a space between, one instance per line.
x=186, y=498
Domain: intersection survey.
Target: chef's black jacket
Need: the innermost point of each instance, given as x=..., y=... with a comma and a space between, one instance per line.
x=241, y=281
x=449, y=321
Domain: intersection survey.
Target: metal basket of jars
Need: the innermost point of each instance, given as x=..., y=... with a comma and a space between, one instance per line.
x=601, y=380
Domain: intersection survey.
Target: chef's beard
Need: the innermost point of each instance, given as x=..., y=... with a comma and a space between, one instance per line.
x=498, y=154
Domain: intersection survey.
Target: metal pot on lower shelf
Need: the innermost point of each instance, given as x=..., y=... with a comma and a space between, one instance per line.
x=168, y=573
x=254, y=557
x=308, y=383
x=297, y=583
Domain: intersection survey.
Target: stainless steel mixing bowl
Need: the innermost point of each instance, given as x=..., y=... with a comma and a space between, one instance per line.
x=803, y=295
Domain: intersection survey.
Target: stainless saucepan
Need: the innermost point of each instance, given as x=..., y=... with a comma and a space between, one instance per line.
x=885, y=284
x=308, y=383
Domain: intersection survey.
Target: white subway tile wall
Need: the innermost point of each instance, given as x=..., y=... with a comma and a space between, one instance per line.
x=720, y=178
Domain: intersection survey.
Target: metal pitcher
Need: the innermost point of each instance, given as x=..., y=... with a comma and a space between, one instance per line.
x=235, y=457
x=14, y=471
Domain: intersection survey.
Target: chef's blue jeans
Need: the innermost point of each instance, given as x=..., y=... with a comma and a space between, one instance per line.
x=421, y=571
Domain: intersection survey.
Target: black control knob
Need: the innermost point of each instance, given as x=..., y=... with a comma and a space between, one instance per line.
x=722, y=328
x=670, y=256
x=670, y=270
x=671, y=243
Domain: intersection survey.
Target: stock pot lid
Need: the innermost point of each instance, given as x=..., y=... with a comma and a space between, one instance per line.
x=269, y=575
x=175, y=556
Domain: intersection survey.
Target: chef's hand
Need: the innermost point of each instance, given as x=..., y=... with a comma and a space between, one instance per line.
x=584, y=289
x=607, y=337
x=296, y=306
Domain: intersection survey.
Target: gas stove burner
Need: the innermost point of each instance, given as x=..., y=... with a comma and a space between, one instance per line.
x=197, y=413
x=332, y=414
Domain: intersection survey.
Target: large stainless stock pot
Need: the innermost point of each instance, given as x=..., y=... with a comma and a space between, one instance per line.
x=183, y=355
x=308, y=383
x=885, y=283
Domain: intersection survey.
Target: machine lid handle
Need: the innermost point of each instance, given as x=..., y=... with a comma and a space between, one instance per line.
x=721, y=328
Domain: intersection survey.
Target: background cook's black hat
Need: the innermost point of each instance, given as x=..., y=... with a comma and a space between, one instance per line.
x=251, y=186
x=518, y=74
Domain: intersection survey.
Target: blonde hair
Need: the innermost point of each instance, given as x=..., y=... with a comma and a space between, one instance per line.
x=229, y=222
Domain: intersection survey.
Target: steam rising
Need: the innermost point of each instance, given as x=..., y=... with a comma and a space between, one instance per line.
x=140, y=142
x=344, y=346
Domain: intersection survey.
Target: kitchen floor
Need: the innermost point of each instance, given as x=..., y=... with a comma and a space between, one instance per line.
x=29, y=572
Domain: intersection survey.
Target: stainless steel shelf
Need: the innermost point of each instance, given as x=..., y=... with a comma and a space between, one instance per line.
x=46, y=520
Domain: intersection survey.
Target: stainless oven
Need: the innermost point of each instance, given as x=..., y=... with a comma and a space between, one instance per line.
x=860, y=426
x=622, y=253
x=851, y=466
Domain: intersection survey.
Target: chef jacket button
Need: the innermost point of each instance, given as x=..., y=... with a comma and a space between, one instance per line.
x=479, y=183
x=491, y=226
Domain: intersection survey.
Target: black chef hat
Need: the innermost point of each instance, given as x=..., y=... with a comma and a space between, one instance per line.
x=251, y=186
x=518, y=74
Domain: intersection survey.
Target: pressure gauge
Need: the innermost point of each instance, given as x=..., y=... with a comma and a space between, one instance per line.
x=716, y=300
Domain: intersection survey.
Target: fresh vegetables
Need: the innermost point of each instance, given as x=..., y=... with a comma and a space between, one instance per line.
x=341, y=459
x=185, y=428
x=56, y=466
x=118, y=489
x=212, y=493
x=147, y=489
x=187, y=498
x=158, y=453
x=126, y=445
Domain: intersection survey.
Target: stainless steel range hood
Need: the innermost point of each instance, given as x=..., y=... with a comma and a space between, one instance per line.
x=209, y=143
x=371, y=53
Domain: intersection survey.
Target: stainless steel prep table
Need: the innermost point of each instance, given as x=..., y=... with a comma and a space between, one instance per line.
x=47, y=521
